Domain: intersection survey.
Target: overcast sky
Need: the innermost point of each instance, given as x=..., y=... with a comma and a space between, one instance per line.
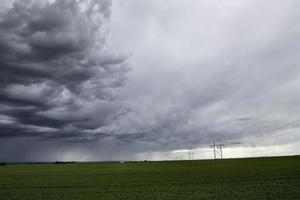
x=131, y=79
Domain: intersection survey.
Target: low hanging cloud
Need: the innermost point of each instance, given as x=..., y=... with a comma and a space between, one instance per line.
x=57, y=78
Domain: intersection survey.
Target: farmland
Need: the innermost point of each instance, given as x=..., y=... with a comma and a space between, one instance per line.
x=230, y=179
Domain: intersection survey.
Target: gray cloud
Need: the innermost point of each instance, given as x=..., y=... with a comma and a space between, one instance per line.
x=201, y=65
x=202, y=71
x=57, y=78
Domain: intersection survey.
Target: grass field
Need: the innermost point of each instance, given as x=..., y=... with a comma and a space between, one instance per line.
x=256, y=178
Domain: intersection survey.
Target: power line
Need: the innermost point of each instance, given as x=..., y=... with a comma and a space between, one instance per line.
x=284, y=126
x=279, y=129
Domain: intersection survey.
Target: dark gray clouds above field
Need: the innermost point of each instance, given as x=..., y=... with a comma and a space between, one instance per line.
x=199, y=71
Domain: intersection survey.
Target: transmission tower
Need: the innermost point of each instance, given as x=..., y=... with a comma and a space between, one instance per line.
x=191, y=155
x=220, y=146
x=214, y=147
x=218, y=150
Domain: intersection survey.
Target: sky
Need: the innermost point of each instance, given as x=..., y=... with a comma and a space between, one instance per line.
x=95, y=80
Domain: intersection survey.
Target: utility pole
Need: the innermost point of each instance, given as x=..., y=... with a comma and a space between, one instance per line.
x=220, y=146
x=191, y=155
x=218, y=149
x=214, y=147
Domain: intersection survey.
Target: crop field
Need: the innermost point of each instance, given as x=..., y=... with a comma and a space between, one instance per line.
x=252, y=178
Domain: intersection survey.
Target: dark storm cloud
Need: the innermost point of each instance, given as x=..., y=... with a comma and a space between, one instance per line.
x=202, y=71
x=56, y=76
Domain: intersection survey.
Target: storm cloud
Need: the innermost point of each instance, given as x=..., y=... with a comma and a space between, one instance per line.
x=57, y=78
x=199, y=71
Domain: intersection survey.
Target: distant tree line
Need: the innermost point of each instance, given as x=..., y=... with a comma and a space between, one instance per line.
x=62, y=162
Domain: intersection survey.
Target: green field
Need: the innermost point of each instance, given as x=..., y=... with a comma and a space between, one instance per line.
x=256, y=178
